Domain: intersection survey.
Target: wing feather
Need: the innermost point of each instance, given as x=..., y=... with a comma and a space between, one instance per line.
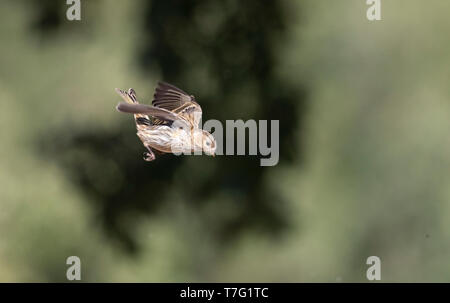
x=159, y=113
x=171, y=98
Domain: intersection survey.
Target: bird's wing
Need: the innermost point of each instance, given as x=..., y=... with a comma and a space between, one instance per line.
x=173, y=99
x=159, y=113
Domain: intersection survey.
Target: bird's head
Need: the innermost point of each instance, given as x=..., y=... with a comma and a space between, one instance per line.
x=208, y=143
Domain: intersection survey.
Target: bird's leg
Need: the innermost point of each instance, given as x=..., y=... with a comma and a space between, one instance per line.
x=149, y=156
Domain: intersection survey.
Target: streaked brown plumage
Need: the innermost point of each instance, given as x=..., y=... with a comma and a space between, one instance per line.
x=171, y=124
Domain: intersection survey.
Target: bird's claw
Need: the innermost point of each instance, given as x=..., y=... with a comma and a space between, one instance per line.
x=149, y=156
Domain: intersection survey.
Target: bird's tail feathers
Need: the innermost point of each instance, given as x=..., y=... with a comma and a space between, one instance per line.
x=129, y=97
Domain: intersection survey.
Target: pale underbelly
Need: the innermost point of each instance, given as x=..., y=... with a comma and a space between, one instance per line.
x=166, y=139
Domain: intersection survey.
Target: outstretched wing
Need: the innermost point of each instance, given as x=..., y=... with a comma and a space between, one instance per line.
x=159, y=113
x=173, y=99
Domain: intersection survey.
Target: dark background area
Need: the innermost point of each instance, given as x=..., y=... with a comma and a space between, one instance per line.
x=240, y=53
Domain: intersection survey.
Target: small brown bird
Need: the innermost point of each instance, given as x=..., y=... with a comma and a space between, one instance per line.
x=171, y=124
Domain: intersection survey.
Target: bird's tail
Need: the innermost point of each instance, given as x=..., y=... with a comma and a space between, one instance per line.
x=130, y=97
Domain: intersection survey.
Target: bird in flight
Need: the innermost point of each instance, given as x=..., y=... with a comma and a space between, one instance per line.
x=170, y=124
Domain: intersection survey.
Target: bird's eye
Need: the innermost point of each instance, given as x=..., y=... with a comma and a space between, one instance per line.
x=208, y=143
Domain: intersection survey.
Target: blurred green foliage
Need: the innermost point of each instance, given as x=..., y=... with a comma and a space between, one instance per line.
x=363, y=109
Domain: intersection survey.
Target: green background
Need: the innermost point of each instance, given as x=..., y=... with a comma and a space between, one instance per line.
x=364, y=148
